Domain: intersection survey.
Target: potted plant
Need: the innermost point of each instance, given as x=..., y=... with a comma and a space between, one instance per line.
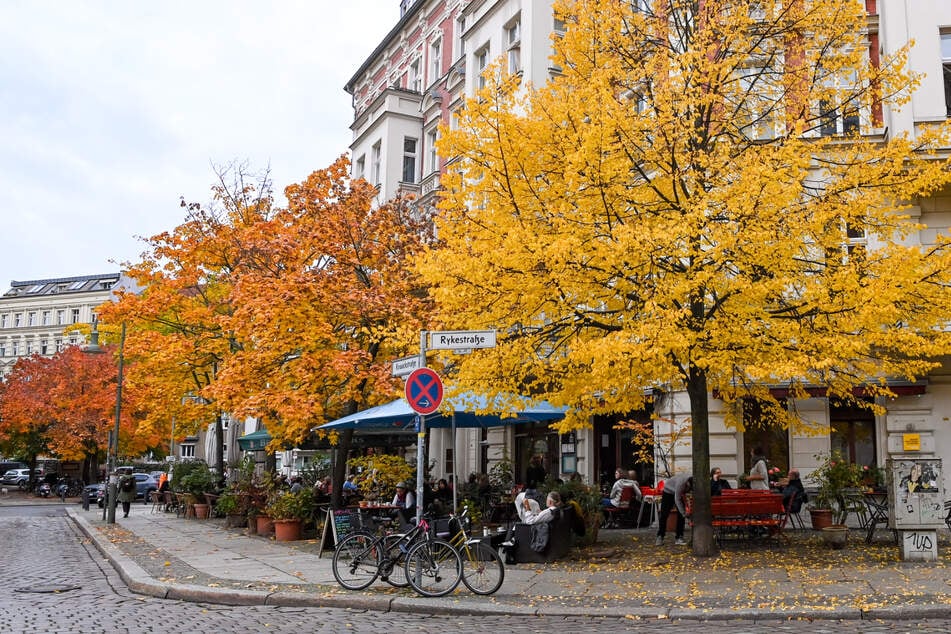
x=194, y=479
x=230, y=505
x=588, y=501
x=835, y=478
x=288, y=512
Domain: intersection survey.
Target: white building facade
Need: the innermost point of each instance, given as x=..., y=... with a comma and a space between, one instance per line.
x=418, y=75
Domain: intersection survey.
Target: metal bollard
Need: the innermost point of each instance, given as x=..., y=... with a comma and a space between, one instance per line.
x=85, y=495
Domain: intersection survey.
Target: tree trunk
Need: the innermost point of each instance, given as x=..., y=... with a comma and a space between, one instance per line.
x=703, y=545
x=342, y=450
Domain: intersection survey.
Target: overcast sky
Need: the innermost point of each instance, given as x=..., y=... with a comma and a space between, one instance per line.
x=112, y=111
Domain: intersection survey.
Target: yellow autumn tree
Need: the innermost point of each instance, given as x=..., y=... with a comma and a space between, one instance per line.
x=674, y=211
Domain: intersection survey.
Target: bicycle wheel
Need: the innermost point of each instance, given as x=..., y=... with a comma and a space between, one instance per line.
x=433, y=568
x=482, y=569
x=356, y=562
x=393, y=567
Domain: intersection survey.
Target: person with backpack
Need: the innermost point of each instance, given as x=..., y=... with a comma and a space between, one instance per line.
x=126, y=493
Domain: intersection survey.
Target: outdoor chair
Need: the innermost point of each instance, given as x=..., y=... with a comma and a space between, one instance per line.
x=613, y=514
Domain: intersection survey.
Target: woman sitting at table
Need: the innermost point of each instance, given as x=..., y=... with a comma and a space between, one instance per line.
x=406, y=501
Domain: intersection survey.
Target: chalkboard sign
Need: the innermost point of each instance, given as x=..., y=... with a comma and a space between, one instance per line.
x=337, y=525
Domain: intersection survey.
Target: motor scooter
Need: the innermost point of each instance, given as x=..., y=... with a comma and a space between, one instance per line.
x=44, y=489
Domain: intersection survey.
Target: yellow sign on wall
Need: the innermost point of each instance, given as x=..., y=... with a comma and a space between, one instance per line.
x=911, y=442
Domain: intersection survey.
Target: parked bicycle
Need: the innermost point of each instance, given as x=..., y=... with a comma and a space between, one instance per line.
x=431, y=566
x=482, y=568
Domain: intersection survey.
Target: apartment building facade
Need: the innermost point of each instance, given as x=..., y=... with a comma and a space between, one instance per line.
x=36, y=316
x=434, y=56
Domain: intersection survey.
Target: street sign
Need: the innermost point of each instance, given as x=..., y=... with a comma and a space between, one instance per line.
x=405, y=366
x=461, y=339
x=424, y=391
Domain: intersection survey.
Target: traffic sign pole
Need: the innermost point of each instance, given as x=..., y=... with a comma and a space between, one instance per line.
x=421, y=437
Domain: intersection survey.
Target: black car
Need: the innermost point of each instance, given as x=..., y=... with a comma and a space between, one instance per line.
x=96, y=493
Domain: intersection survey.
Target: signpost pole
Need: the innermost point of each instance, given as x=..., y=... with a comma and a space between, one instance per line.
x=421, y=437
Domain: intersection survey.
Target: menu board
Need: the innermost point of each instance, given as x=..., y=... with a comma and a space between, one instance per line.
x=337, y=525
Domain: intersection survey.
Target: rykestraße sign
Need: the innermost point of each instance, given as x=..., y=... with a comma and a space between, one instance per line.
x=461, y=339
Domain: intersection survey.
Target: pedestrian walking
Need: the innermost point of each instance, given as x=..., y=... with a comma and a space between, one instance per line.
x=126, y=492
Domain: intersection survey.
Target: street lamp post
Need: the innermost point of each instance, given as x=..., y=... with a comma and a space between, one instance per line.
x=112, y=488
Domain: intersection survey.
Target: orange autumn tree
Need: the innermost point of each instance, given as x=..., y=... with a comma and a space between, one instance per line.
x=66, y=403
x=677, y=209
x=330, y=300
x=287, y=315
x=176, y=343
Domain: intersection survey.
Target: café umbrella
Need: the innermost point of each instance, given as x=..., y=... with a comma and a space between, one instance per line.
x=467, y=410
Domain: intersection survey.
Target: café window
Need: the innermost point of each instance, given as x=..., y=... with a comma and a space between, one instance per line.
x=853, y=433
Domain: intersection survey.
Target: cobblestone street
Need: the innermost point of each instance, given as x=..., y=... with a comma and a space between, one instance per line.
x=54, y=581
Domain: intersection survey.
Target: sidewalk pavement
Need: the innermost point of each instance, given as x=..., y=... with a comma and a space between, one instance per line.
x=624, y=574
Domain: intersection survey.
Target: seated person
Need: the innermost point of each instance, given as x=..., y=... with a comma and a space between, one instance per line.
x=794, y=493
x=718, y=482
x=442, y=496
x=621, y=481
x=529, y=511
x=406, y=501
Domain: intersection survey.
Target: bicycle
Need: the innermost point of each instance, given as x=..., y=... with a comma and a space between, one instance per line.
x=361, y=557
x=433, y=567
x=482, y=568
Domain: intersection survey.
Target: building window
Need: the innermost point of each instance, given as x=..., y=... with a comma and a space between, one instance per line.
x=29, y=347
x=838, y=120
x=761, y=431
x=513, y=39
x=186, y=451
x=375, y=163
x=60, y=317
x=459, y=46
x=359, y=168
x=946, y=69
x=46, y=318
x=59, y=344
x=481, y=62
x=75, y=316
x=432, y=159
x=17, y=320
x=435, y=60
x=852, y=433
x=15, y=348
x=409, y=159
x=3, y=349
x=415, y=80
x=31, y=319
x=44, y=346
x=3, y=320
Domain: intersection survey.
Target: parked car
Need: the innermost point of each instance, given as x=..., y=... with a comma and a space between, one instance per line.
x=144, y=485
x=16, y=477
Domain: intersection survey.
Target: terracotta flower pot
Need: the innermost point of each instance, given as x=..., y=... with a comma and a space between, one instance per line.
x=202, y=511
x=821, y=518
x=672, y=521
x=287, y=530
x=265, y=525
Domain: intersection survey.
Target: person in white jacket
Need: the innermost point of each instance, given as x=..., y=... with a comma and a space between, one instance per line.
x=529, y=511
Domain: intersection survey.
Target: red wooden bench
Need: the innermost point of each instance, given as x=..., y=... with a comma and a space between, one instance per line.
x=747, y=516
